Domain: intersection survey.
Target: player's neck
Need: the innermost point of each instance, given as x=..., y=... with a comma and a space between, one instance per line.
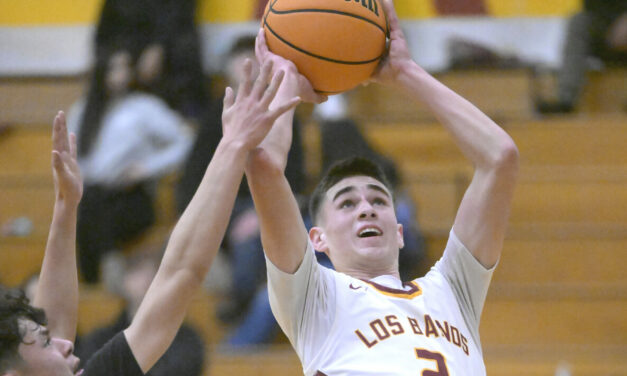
x=367, y=275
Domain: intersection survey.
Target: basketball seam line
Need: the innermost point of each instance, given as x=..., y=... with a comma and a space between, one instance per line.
x=329, y=11
x=318, y=56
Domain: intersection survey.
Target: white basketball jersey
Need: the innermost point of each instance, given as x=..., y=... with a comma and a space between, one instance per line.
x=340, y=325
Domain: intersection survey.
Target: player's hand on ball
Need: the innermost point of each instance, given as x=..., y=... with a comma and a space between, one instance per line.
x=299, y=83
x=398, y=55
x=246, y=117
x=68, y=182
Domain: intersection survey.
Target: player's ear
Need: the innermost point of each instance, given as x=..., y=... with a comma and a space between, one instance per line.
x=318, y=239
x=399, y=236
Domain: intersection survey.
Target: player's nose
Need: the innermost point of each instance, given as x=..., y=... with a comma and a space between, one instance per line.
x=366, y=210
x=65, y=347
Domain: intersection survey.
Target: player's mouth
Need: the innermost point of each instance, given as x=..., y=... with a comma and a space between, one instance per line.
x=75, y=368
x=369, y=232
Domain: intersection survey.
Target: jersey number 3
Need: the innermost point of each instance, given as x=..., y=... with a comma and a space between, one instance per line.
x=439, y=360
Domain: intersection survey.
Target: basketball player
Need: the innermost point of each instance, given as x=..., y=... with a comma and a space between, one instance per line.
x=361, y=319
x=30, y=347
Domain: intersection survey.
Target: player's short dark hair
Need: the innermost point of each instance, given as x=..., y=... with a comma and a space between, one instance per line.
x=356, y=166
x=14, y=305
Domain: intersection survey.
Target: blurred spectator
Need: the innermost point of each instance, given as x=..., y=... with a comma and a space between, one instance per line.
x=242, y=240
x=126, y=141
x=600, y=30
x=161, y=36
x=184, y=357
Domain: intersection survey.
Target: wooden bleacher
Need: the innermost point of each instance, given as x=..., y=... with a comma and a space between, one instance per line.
x=559, y=292
x=35, y=100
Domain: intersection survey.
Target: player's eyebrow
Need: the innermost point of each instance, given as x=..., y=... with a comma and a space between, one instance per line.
x=342, y=191
x=44, y=333
x=370, y=186
x=378, y=188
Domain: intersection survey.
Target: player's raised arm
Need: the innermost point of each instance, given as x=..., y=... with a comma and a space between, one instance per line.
x=283, y=233
x=482, y=216
x=197, y=235
x=57, y=290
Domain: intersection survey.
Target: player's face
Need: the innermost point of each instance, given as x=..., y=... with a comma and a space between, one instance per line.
x=45, y=356
x=359, y=226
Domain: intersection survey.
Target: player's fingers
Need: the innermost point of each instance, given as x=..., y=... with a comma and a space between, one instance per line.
x=273, y=88
x=261, y=48
x=262, y=80
x=65, y=142
x=73, y=147
x=245, y=84
x=229, y=97
x=283, y=108
x=57, y=139
x=57, y=163
x=390, y=12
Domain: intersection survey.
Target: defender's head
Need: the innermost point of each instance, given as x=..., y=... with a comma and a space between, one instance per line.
x=26, y=347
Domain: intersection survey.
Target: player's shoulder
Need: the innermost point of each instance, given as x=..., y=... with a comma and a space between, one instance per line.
x=434, y=280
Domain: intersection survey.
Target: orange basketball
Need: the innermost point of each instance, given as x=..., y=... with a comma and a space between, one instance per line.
x=336, y=44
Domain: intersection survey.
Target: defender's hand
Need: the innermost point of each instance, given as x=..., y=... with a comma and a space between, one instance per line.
x=247, y=118
x=68, y=182
x=296, y=83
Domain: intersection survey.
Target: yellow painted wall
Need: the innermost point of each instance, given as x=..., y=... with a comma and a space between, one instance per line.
x=513, y=8
x=46, y=12
x=68, y=12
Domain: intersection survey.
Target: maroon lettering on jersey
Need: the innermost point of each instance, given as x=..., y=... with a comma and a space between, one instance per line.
x=379, y=329
x=430, y=327
x=455, y=337
x=395, y=326
x=364, y=340
x=414, y=325
x=444, y=330
x=465, y=344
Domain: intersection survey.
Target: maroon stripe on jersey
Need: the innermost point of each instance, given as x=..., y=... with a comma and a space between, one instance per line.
x=320, y=374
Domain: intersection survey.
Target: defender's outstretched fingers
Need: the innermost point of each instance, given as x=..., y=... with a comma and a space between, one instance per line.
x=262, y=80
x=57, y=163
x=272, y=89
x=73, y=147
x=229, y=97
x=245, y=86
x=60, y=140
x=261, y=48
x=283, y=108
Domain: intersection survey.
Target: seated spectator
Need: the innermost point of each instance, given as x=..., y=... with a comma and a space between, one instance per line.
x=185, y=355
x=600, y=30
x=127, y=140
x=161, y=36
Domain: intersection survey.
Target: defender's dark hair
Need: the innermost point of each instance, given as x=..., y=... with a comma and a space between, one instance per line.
x=14, y=305
x=356, y=166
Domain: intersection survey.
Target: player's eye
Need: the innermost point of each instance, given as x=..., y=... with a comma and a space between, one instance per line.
x=347, y=204
x=379, y=201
